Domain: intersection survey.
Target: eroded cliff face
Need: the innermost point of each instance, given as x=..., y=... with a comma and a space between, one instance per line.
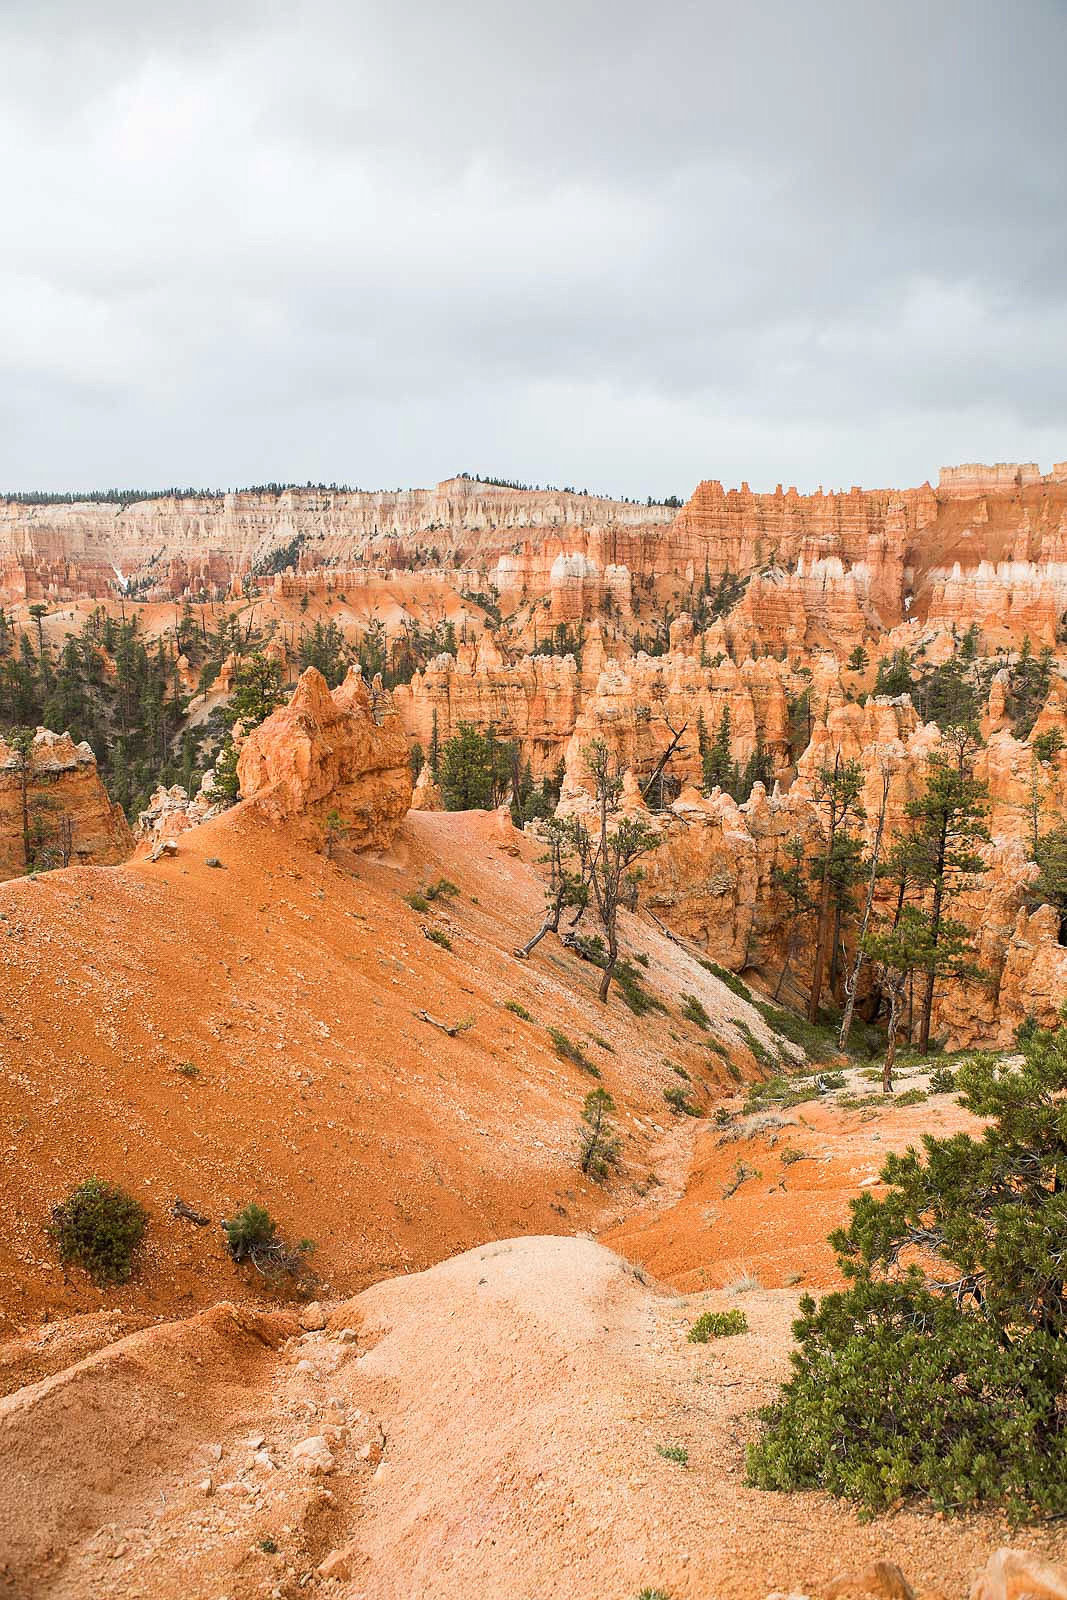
x=714, y=877
x=335, y=760
x=194, y=543
x=54, y=808
x=988, y=543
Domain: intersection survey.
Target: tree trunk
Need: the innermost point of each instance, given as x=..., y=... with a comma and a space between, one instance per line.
x=550, y=925
x=820, y=940
x=935, y=929
x=852, y=982
x=835, y=945
x=790, y=952
x=609, y=970
x=891, y=1040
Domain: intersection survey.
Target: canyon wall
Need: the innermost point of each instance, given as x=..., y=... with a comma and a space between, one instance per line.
x=54, y=798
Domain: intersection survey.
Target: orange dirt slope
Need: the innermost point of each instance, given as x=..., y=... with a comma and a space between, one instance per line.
x=249, y=1033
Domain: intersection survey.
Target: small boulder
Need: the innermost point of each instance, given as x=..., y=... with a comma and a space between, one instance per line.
x=314, y=1455
x=338, y=1564
x=313, y=1318
x=882, y=1580
x=1011, y=1574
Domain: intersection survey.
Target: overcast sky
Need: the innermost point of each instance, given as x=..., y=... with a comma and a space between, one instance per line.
x=624, y=246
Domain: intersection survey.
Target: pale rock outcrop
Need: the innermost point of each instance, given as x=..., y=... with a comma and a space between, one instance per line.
x=344, y=752
x=426, y=796
x=1015, y=1574
x=173, y=811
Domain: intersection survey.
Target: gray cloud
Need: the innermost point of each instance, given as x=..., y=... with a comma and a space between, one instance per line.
x=620, y=246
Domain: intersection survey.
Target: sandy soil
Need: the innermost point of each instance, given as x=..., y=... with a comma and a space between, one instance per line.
x=774, y=1225
x=492, y=1428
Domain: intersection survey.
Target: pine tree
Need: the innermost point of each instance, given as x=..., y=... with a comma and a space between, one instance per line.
x=837, y=790
x=948, y=821
x=719, y=769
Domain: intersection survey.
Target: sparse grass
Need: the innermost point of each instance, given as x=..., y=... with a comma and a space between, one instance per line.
x=692, y=1010
x=747, y=1283
x=734, y=1071
x=681, y=1072
x=676, y=1099
x=762, y=1054
x=417, y=902
x=594, y=1038
x=741, y=1174
x=188, y=1069
x=779, y=1093
x=628, y=983
x=818, y=1041
x=731, y=980
x=792, y=1278
x=755, y=1124
x=717, y=1325
x=517, y=1010
x=791, y=1155
x=653, y=1594
x=439, y=937
x=570, y=1050
x=723, y=1119
x=674, y=1452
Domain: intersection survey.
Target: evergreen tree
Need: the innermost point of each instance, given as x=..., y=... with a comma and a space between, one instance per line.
x=837, y=790
x=948, y=823
x=940, y=1369
x=475, y=770
x=719, y=769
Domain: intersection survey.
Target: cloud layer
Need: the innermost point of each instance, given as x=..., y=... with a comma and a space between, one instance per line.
x=618, y=246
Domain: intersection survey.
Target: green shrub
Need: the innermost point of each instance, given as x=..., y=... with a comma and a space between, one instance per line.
x=790, y=1156
x=676, y=1099
x=717, y=1325
x=945, y=1379
x=653, y=1594
x=817, y=1041
x=570, y=1050
x=188, y=1069
x=642, y=958
x=942, y=1080
x=98, y=1227
x=517, y=1010
x=598, y=1143
x=693, y=1011
x=252, y=1236
x=439, y=937
x=680, y=1071
x=417, y=902
x=443, y=889
x=594, y=1038
x=674, y=1452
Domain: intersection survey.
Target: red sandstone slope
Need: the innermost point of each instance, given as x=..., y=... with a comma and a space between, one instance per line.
x=290, y=983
